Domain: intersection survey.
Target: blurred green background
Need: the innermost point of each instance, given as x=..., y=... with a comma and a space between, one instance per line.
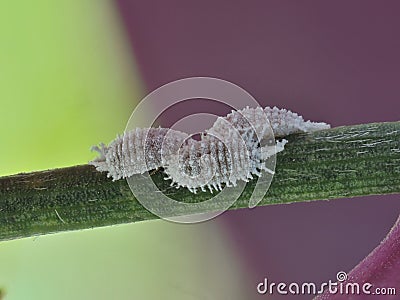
x=67, y=81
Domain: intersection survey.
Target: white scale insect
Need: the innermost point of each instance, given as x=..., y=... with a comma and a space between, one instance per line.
x=234, y=148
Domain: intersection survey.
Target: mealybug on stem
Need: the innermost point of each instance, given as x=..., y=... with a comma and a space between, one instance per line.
x=234, y=148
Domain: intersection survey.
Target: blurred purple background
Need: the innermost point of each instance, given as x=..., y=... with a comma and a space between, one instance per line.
x=334, y=61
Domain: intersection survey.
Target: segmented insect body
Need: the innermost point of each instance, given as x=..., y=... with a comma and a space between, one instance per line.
x=234, y=148
x=237, y=143
x=285, y=122
x=137, y=151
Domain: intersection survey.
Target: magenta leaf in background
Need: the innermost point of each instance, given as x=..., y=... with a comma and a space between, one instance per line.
x=381, y=268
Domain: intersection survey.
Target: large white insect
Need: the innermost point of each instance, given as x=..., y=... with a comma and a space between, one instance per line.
x=235, y=148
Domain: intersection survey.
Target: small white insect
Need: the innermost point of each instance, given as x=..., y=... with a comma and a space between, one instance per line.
x=235, y=148
x=137, y=151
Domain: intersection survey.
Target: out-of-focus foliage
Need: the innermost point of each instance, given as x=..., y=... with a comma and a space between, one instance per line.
x=63, y=65
x=67, y=81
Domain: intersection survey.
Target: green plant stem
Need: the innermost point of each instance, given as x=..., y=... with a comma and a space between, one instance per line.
x=340, y=162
